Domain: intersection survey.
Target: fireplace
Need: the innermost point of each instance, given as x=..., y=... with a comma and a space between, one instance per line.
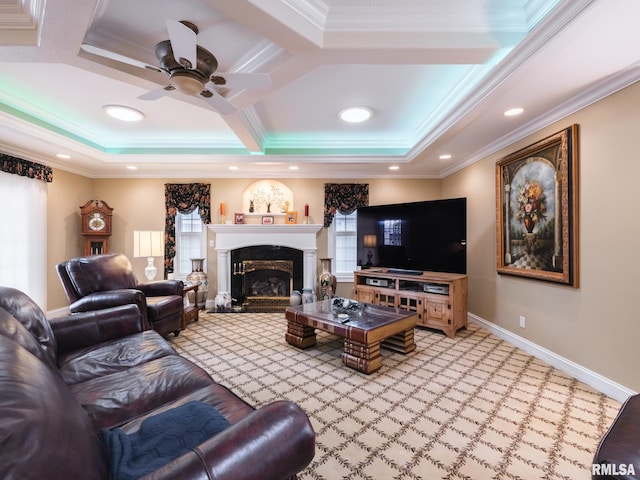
x=237, y=244
x=263, y=277
x=267, y=278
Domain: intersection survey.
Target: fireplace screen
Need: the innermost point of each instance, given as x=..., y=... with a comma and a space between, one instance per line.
x=267, y=281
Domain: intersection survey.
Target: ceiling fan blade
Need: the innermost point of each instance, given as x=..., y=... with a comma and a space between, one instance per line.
x=154, y=94
x=117, y=57
x=252, y=81
x=183, y=43
x=219, y=103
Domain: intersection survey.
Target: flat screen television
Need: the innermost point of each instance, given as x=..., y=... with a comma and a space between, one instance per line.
x=414, y=237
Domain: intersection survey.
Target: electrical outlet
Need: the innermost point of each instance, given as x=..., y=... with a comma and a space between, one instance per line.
x=211, y=243
x=521, y=321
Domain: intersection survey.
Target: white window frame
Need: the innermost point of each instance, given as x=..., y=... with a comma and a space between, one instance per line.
x=177, y=273
x=341, y=277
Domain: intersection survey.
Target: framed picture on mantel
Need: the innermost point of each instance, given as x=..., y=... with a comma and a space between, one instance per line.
x=537, y=210
x=267, y=220
x=291, y=218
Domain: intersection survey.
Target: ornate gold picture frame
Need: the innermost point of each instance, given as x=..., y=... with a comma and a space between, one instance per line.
x=537, y=210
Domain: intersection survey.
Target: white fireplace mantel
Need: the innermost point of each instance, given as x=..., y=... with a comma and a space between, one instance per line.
x=232, y=236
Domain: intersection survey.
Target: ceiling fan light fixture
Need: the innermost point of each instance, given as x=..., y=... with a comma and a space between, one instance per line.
x=355, y=114
x=121, y=112
x=187, y=83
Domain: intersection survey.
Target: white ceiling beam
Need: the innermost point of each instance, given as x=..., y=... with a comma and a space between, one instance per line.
x=272, y=20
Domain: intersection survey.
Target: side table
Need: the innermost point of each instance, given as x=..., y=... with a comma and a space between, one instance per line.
x=190, y=313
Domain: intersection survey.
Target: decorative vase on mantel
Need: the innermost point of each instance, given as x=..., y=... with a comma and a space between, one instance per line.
x=327, y=281
x=198, y=277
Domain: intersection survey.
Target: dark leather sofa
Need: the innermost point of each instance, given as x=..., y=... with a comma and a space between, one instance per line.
x=618, y=453
x=101, y=281
x=63, y=380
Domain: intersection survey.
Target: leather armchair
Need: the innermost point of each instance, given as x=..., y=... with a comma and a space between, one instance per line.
x=103, y=281
x=64, y=379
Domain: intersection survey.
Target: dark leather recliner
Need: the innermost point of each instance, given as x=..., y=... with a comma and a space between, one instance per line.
x=102, y=281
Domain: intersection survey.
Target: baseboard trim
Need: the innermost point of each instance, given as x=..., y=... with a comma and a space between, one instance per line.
x=595, y=380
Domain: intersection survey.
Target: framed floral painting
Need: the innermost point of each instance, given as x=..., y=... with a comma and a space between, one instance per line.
x=537, y=210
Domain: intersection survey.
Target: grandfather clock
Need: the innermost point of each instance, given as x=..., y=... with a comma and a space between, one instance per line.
x=96, y=226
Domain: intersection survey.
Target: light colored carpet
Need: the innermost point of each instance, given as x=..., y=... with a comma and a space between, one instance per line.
x=472, y=407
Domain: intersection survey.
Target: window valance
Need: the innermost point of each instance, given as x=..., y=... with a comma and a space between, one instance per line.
x=25, y=168
x=344, y=198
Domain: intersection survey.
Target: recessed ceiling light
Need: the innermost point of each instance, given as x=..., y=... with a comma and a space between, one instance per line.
x=512, y=112
x=63, y=156
x=233, y=167
x=131, y=167
x=355, y=114
x=394, y=167
x=126, y=114
x=293, y=167
x=446, y=156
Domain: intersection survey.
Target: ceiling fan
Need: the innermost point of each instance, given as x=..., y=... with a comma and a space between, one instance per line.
x=190, y=67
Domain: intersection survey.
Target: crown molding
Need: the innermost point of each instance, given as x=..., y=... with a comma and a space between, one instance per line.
x=313, y=11
x=593, y=94
x=556, y=21
x=21, y=22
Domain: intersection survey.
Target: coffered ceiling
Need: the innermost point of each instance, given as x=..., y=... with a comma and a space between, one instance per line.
x=436, y=74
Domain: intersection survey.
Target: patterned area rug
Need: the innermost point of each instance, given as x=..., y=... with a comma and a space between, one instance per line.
x=472, y=407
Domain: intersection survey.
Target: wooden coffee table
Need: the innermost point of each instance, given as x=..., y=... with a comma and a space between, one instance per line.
x=363, y=332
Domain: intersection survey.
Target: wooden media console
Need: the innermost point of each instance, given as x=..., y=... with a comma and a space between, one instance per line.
x=438, y=299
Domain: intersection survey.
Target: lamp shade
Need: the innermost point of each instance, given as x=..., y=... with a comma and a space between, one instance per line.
x=370, y=241
x=148, y=243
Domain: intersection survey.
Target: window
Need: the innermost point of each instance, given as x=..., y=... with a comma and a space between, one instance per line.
x=190, y=242
x=23, y=252
x=344, y=246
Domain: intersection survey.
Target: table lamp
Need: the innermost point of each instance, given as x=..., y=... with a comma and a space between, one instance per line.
x=148, y=244
x=370, y=241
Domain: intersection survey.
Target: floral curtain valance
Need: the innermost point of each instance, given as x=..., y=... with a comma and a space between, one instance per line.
x=183, y=198
x=25, y=168
x=344, y=198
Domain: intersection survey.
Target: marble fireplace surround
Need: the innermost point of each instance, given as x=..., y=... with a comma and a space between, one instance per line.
x=232, y=236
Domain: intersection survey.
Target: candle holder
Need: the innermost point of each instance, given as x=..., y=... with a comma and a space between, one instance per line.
x=305, y=220
x=223, y=219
